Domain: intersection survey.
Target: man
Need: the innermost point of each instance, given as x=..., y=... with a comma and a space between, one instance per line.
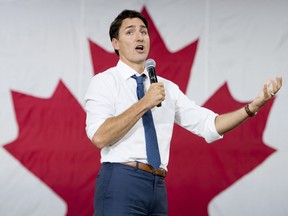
x=130, y=181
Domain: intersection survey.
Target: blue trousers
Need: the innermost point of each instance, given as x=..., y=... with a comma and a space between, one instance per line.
x=122, y=190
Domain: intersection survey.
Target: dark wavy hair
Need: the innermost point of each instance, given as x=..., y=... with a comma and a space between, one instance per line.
x=116, y=24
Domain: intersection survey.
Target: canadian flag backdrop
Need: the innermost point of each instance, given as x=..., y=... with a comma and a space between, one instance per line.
x=220, y=53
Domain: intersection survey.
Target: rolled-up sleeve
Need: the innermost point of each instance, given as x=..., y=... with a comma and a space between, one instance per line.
x=98, y=105
x=197, y=119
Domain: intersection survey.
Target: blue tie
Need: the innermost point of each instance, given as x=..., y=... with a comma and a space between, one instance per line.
x=152, y=149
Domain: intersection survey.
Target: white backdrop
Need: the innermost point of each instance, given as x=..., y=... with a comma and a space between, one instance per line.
x=243, y=43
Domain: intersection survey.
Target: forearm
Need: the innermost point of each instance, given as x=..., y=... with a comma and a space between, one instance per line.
x=229, y=121
x=114, y=128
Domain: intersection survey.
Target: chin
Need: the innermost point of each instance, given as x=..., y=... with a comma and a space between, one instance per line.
x=141, y=59
x=144, y=57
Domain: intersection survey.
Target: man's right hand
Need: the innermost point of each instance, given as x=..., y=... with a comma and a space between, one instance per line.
x=155, y=95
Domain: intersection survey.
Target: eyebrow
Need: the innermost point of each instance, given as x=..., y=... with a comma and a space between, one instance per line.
x=133, y=26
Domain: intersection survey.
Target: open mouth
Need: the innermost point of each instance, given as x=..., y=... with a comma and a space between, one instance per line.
x=139, y=48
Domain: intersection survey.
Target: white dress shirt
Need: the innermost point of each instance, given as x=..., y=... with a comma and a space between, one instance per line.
x=112, y=92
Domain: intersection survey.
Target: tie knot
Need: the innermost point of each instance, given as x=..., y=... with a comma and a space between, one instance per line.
x=139, y=79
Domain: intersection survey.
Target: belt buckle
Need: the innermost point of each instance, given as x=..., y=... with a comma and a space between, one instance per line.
x=159, y=172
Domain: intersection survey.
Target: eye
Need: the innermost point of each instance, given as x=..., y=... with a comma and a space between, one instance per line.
x=129, y=32
x=143, y=32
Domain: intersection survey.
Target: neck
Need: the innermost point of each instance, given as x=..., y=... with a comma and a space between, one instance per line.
x=138, y=67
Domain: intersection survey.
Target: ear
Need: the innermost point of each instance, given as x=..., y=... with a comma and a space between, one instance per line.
x=115, y=43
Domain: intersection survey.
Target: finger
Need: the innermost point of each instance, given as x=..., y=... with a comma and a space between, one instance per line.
x=274, y=87
x=266, y=90
x=277, y=84
x=269, y=86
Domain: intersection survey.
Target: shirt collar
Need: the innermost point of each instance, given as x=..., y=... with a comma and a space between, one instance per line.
x=126, y=71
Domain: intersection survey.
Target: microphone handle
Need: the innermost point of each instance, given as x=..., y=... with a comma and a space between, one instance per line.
x=153, y=78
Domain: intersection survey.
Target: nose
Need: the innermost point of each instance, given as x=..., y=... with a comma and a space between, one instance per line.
x=139, y=36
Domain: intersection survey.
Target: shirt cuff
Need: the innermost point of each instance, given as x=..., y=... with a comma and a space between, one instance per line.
x=214, y=135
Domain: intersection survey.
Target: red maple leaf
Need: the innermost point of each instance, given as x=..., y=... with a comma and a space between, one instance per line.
x=199, y=171
x=52, y=144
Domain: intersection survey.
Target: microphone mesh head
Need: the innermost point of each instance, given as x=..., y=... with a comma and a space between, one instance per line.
x=150, y=63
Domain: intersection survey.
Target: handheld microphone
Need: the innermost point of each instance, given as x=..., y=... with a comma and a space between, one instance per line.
x=150, y=66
